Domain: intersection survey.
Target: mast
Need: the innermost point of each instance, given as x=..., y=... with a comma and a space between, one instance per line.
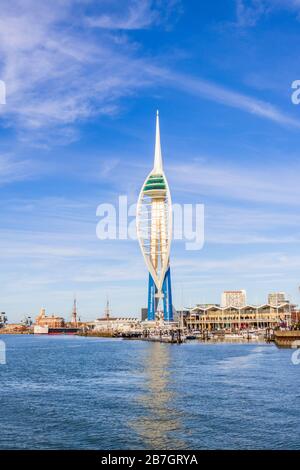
x=107, y=310
x=74, y=312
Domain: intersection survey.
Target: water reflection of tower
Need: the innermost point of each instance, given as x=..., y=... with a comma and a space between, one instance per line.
x=160, y=423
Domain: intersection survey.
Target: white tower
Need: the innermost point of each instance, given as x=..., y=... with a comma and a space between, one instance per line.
x=154, y=231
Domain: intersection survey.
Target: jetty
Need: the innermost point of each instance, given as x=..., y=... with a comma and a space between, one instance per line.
x=287, y=339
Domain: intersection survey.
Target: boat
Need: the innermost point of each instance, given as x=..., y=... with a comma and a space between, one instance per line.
x=191, y=336
x=165, y=337
x=234, y=336
x=45, y=330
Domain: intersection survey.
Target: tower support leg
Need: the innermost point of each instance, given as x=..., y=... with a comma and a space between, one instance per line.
x=167, y=291
x=152, y=301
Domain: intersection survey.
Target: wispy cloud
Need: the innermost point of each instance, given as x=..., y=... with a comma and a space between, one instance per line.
x=138, y=14
x=12, y=169
x=227, y=224
x=235, y=183
x=248, y=13
x=57, y=73
x=134, y=14
x=78, y=71
x=234, y=99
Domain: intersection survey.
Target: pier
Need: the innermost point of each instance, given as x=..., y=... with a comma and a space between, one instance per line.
x=287, y=339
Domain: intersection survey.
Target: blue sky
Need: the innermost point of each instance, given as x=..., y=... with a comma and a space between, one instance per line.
x=83, y=80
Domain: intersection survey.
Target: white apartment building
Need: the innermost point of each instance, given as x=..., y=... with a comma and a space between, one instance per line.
x=277, y=298
x=233, y=298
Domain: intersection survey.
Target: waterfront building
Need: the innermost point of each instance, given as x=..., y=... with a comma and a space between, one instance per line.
x=116, y=324
x=113, y=325
x=52, y=321
x=277, y=298
x=233, y=298
x=55, y=324
x=234, y=318
x=154, y=231
x=295, y=315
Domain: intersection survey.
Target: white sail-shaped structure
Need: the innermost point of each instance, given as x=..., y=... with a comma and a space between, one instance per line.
x=154, y=231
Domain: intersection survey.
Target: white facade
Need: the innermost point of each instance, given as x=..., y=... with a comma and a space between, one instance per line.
x=276, y=298
x=120, y=325
x=234, y=298
x=40, y=330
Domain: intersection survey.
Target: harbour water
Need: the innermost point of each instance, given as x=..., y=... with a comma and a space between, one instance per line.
x=91, y=393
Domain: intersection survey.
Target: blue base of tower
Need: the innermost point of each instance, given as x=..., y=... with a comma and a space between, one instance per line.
x=167, y=298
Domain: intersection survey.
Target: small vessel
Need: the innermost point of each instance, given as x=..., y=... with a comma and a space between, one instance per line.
x=197, y=333
x=191, y=336
x=234, y=336
x=251, y=335
x=170, y=336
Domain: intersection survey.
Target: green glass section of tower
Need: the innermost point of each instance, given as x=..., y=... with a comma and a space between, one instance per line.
x=155, y=182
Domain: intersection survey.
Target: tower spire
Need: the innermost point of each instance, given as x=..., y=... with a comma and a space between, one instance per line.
x=158, y=168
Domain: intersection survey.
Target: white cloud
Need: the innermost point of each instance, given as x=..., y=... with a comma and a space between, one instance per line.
x=266, y=184
x=56, y=71
x=137, y=14
x=264, y=264
x=134, y=14
x=226, y=224
x=218, y=93
x=248, y=13
x=12, y=169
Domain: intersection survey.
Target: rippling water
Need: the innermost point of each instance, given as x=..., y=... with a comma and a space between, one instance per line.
x=91, y=393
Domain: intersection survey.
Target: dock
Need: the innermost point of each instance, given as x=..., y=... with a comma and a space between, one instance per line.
x=287, y=339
